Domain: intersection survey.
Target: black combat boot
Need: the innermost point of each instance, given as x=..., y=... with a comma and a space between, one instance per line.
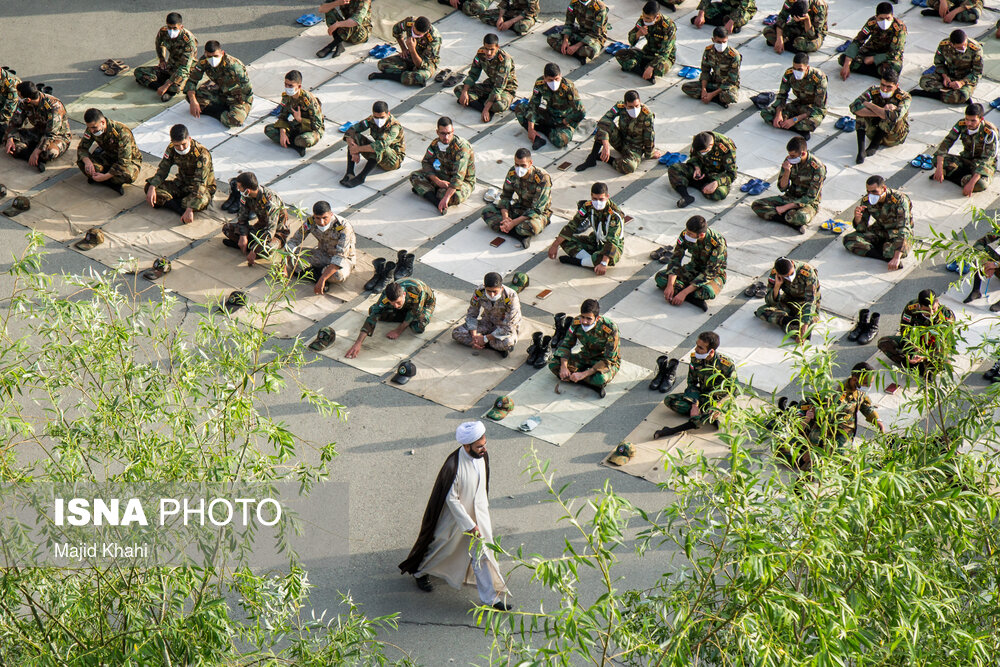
x=379, y=265
x=534, y=348
x=671, y=377
x=404, y=265
x=386, y=277
x=562, y=324
x=232, y=205
x=871, y=330
x=661, y=373
x=853, y=334
x=542, y=357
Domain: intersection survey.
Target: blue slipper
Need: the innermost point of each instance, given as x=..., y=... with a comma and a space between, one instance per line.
x=849, y=125
x=693, y=73
x=749, y=184
x=840, y=122
x=919, y=3
x=518, y=102
x=923, y=161
x=930, y=70
x=995, y=103
x=553, y=30
x=955, y=267
x=771, y=19
x=345, y=127
x=275, y=111
x=615, y=47
x=843, y=47
x=309, y=19
x=759, y=187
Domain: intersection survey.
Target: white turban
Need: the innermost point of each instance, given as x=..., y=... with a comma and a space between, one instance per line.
x=468, y=432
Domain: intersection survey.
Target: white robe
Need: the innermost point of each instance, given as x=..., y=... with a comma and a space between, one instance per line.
x=467, y=505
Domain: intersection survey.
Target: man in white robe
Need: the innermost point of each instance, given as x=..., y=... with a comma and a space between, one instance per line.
x=457, y=510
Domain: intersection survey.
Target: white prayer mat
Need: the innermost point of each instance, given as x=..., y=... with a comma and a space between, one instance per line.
x=495, y=154
x=657, y=218
x=316, y=182
x=940, y=205
x=980, y=322
x=311, y=40
x=206, y=223
x=386, y=13
x=226, y=265
x=379, y=354
x=457, y=376
x=843, y=189
x=346, y=101
x=316, y=307
x=148, y=230
x=564, y=414
x=532, y=51
x=930, y=121
x=753, y=243
x=461, y=38
x=402, y=220
x=444, y=103
x=679, y=118
x=420, y=126
x=849, y=282
x=19, y=177
x=570, y=187
x=840, y=154
x=253, y=151
x=267, y=73
x=601, y=89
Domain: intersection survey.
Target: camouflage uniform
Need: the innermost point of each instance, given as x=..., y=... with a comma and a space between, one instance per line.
x=966, y=67
x=584, y=23
x=706, y=384
x=886, y=227
x=42, y=125
x=896, y=125
x=336, y=245
x=194, y=185
x=805, y=187
x=886, y=46
x=910, y=343
x=227, y=95
x=428, y=48
x=972, y=13
x=456, y=165
x=706, y=270
x=358, y=10
x=529, y=9
x=304, y=134
x=387, y=141
x=659, y=51
x=271, y=228
x=599, y=350
x=978, y=156
x=533, y=199
x=795, y=37
x=840, y=426
x=634, y=138
x=810, y=98
x=798, y=298
x=416, y=311
x=718, y=70
x=8, y=97
x=500, y=82
x=179, y=53
x=719, y=164
x=554, y=113
x=500, y=319
x=597, y=233
x=717, y=13
x=114, y=152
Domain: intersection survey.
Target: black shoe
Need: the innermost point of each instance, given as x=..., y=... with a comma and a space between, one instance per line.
x=671, y=377
x=41, y=167
x=973, y=295
x=328, y=49
x=525, y=240
x=929, y=12
x=338, y=50
x=600, y=391
x=404, y=265
x=346, y=179
x=993, y=374
x=782, y=403
x=542, y=357
x=117, y=187
x=385, y=278
x=379, y=264
x=566, y=259
x=853, y=334
x=232, y=205
x=537, y=143
x=424, y=583
x=871, y=330
x=533, y=349
x=860, y=158
x=805, y=134
x=353, y=181
x=674, y=430
x=685, y=201
x=301, y=150
x=166, y=97
x=562, y=325
x=229, y=243
x=432, y=198
x=661, y=373
x=695, y=301
x=500, y=605
x=995, y=306
x=586, y=164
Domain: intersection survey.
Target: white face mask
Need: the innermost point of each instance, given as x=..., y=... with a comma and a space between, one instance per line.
x=705, y=152
x=325, y=227
x=790, y=276
x=182, y=152
x=701, y=355
x=690, y=239
x=960, y=50
x=884, y=94
x=520, y=171
x=290, y=91
x=97, y=133
x=214, y=61
x=863, y=389
x=492, y=297
x=584, y=2
x=873, y=199
x=884, y=23
x=633, y=111
x=794, y=160
x=599, y=204
x=414, y=35
x=798, y=74
x=647, y=24
x=720, y=46
x=553, y=85
x=588, y=327
x=172, y=34
x=380, y=122
x=442, y=147
x=973, y=131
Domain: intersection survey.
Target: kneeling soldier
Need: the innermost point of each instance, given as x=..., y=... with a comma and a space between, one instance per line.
x=408, y=301
x=228, y=95
x=386, y=147
x=38, y=130
x=300, y=120
x=958, y=65
x=720, y=73
x=554, y=109
x=807, y=110
x=628, y=128
x=176, y=50
x=419, y=52
x=271, y=229
x=883, y=115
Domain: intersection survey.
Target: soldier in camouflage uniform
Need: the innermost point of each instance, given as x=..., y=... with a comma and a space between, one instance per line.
x=269, y=232
x=555, y=109
x=334, y=256
x=958, y=64
x=38, y=130
x=711, y=168
x=595, y=237
x=918, y=345
x=408, y=301
x=801, y=183
x=493, y=317
x=973, y=168
x=419, y=45
x=300, y=120
x=585, y=31
x=598, y=360
x=447, y=174
x=800, y=27
x=807, y=110
x=883, y=224
x=703, y=277
x=730, y=14
x=227, y=95
x=720, y=72
x=498, y=89
x=963, y=11
x=658, y=54
x=517, y=15
x=883, y=115
x=107, y=153
x=627, y=127
x=347, y=21
x=8, y=97
x=386, y=147
x=709, y=382
x=792, y=299
x=879, y=42
x=524, y=206
x=193, y=188
x=176, y=50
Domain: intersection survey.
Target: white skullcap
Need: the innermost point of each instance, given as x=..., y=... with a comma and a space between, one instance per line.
x=468, y=432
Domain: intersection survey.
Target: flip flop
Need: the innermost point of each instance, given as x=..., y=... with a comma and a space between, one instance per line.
x=113, y=67
x=693, y=73
x=749, y=184
x=835, y=226
x=919, y=3
x=615, y=47
x=553, y=30
x=345, y=127
x=963, y=268
x=995, y=103
x=683, y=72
x=751, y=291
x=309, y=20
x=518, y=102
x=453, y=80
x=763, y=100
x=930, y=70
x=760, y=290
x=275, y=111
x=107, y=64
x=662, y=254
x=759, y=187
x=442, y=75
x=849, y=125
x=843, y=47
x=840, y=122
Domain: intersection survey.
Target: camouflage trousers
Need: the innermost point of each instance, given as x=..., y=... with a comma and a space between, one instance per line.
x=214, y=103
x=682, y=175
x=301, y=139
x=716, y=13
x=354, y=35
x=560, y=132
x=153, y=77
x=491, y=16
x=705, y=291
x=481, y=92
x=121, y=172
x=196, y=198
x=794, y=108
x=314, y=262
x=858, y=65
x=26, y=141
x=898, y=350
x=965, y=16
x=891, y=135
x=864, y=242
x=418, y=325
x=728, y=95
x=636, y=62
x=797, y=217
x=959, y=170
x=386, y=157
x=630, y=158
x=259, y=239
x=422, y=185
x=577, y=363
x=788, y=315
x=794, y=38
x=574, y=245
x=530, y=226
x=590, y=49
x=463, y=334
x=681, y=404
x=934, y=82
x=408, y=76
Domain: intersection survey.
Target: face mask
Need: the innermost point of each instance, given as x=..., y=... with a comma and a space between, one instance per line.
x=973, y=131
x=414, y=35
x=492, y=297
x=182, y=152
x=290, y=91
x=690, y=239
x=553, y=85
x=442, y=147
x=790, y=276
x=173, y=33
x=599, y=204
x=584, y=2
x=325, y=227
x=884, y=94
x=798, y=74
x=701, y=355
x=97, y=133
x=214, y=61
x=873, y=199
x=520, y=171
x=648, y=24
x=380, y=122
x=633, y=111
x=960, y=50
x=794, y=160
x=884, y=23
x=705, y=152
x=863, y=389
x=588, y=327
x=720, y=46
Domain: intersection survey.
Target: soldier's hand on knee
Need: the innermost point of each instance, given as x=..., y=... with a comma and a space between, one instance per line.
x=605, y=152
x=668, y=292
x=88, y=167
x=151, y=196
x=710, y=188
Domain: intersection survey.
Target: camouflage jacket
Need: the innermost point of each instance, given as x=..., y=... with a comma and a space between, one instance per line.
x=359, y=11
x=966, y=66
x=707, y=378
x=845, y=404
x=47, y=118
x=720, y=159
x=389, y=135
x=309, y=105
x=708, y=257
x=266, y=206
x=883, y=45
x=803, y=288
x=809, y=90
x=892, y=216
x=499, y=73
x=505, y=312
x=817, y=13
x=418, y=298
x=8, y=96
x=900, y=98
x=805, y=181
x=456, y=164
x=590, y=19
x=230, y=76
x=526, y=8
x=561, y=103
x=607, y=227
x=733, y=8
x=661, y=40
x=194, y=170
x=179, y=53
x=533, y=192
x=116, y=141
x=980, y=147
x=428, y=47
x=916, y=317
x=637, y=133
x=720, y=69
x=600, y=345
x=337, y=242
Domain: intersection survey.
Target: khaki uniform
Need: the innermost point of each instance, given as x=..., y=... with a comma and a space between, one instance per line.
x=796, y=37
x=336, y=245
x=718, y=13
x=810, y=98
x=912, y=342
x=886, y=227
x=500, y=82
x=179, y=55
x=718, y=70
x=599, y=350
x=707, y=382
x=8, y=97
x=387, y=141
x=227, y=95
x=194, y=185
x=42, y=125
x=271, y=228
x=885, y=46
x=659, y=51
x=634, y=138
x=114, y=152
x=456, y=165
x=584, y=23
x=596, y=233
x=358, y=10
x=499, y=319
x=805, y=187
x=304, y=134
x=555, y=114
x=428, y=48
x=896, y=125
x=719, y=164
x=797, y=302
x=530, y=196
x=972, y=13
x=978, y=156
x=416, y=311
x=966, y=67
x=706, y=269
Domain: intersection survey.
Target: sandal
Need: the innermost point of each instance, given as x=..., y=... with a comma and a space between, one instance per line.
x=751, y=291
x=771, y=19
x=454, y=80
x=843, y=47
x=113, y=67
x=835, y=226
x=759, y=187
x=749, y=184
x=442, y=75
x=662, y=255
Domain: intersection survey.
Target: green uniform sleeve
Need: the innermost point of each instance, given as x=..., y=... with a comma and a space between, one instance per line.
x=474, y=72
x=633, y=34
x=607, y=123
x=461, y=168
x=567, y=343
x=949, y=140
x=781, y=99
x=543, y=198
x=196, y=73
x=83, y=148
x=162, y=171
x=503, y=76
x=972, y=78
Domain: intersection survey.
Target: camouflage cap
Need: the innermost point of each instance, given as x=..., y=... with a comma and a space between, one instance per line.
x=17, y=206
x=325, y=337
x=161, y=265
x=501, y=408
x=519, y=281
x=623, y=454
x=93, y=238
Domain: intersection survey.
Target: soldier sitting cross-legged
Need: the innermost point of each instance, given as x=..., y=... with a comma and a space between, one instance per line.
x=193, y=188
x=107, y=154
x=703, y=277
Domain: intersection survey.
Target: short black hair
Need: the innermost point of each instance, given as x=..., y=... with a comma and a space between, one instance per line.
x=888, y=74
x=651, y=8
x=631, y=95
x=422, y=24
x=590, y=307
x=926, y=297
x=179, y=133
x=212, y=45
x=861, y=369
x=883, y=8
x=875, y=180
x=797, y=144
x=701, y=141
x=28, y=90
x=444, y=121
x=92, y=115
x=490, y=38
x=599, y=188
x=783, y=265
x=801, y=58
x=295, y=76
x=720, y=32
x=710, y=338
x=696, y=224
x=321, y=207
x=551, y=69
x=799, y=8
x=492, y=279
x=393, y=291
x=247, y=179
x=173, y=18
x=974, y=108
x=957, y=37
x=521, y=153
x=380, y=107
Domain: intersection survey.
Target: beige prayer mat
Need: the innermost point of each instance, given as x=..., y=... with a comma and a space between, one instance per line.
x=305, y=303
x=267, y=303
x=226, y=265
x=195, y=285
x=148, y=230
x=117, y=252
x=19, y=176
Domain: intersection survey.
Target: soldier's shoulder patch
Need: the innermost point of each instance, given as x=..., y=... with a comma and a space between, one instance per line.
x=618, y=107
x=166, y=153
x=724, y=361
x=709, y=48
x=713, y=241
x=479, y=293
x=974, y=45
x=645, y=111
x=538, y=178
x=607, y=329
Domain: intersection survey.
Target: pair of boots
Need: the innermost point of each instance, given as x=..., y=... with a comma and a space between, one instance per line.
x=872, y=146
x=866, y=329
x=666, y=375
x=350, y=180
x=562, y=324
x=540, y=350
x=388, y=271
x=232, y=205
